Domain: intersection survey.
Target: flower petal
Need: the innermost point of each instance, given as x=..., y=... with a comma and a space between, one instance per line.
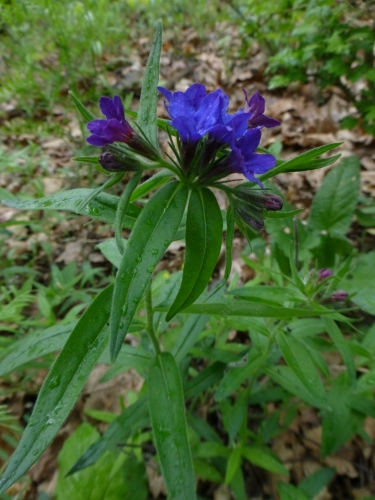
x=186, y=128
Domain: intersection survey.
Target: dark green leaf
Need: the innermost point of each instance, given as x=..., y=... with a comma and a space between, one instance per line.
x=290, y=492
x=152, y=234
x=188, y=335
x=313, y=484
x=333, y=206
x=167, y=412
x=203, y=242
x=62, y=386
x=147, y=119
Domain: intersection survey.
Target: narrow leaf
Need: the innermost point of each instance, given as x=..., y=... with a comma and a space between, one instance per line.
x=114, y=179
x=147, y=119
x=151, y=235
x=35, y=345
x=122, y=207
x=263, y=459
x=151, y=184
x=103, y=207
x=203, y=243
x=62, y=386
x=304, y=161
x=342, y=346
x=167, y=412
x=86, y=114
x=299, y=361
x=133, y=418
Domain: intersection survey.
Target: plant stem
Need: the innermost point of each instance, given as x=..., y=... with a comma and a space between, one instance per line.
x=150, y=321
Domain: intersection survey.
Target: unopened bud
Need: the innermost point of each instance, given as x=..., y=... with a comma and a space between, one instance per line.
x=272, y=202
x=111, y=163
x=324, y=274
x=339, y=296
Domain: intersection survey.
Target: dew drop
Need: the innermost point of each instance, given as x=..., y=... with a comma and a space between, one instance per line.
x=150, y=269
x=154, y=251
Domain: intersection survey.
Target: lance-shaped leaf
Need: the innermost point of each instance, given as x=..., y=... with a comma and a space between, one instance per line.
x=203, y=237
x=35, y=345
x=84, y=112
x=62, y=386
x=147, y=119
x=103, y=207
x=151, y=235
x=167, y=412
x=304, y=161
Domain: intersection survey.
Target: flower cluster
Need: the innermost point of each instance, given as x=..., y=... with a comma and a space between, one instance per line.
x=199, y=116
x=211, y=144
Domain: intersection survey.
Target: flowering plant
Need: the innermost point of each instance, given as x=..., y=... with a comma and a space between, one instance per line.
x=207, y=144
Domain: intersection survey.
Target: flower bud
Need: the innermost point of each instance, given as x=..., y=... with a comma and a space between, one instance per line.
x=272, y=202
x=324, y=274
x=339, y=296
x=113, y=163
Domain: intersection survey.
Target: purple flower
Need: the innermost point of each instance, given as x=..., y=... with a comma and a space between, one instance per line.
x=114, y=128
x=244, y=160
x=256, y=106
x=194, y=112
x=115, y=163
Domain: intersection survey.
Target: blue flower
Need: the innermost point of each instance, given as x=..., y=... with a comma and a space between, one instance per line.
x=244, y=160
x=195, y=113
x=114, y=128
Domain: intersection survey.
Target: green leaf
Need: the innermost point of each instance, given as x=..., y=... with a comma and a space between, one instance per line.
x=152, y=234
x=35, y=345
x=151, y=184
x=263, y=459
x=236, y=375
x=304, y=161
x=342, y=346
x=167, y=412
x=313, y=484
x=122, y=208
x=203, y=243
x=103, y=207
x=114, y=179
x=110, y=251
x=233, y=464
x=341, y=423
x=334, y=204
x=290, y=492
x=135, y=417
x=360, y=283
x=277, y=294
x=147, y=119
x=284, y=215
x=62, y=386
x=188, y=335
x=233, y=307
x=85, y=113
x=298, y=359
x=113, y=477
x=285, y=377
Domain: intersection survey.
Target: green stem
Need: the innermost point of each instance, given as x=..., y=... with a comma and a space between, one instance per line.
x=150, y=321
